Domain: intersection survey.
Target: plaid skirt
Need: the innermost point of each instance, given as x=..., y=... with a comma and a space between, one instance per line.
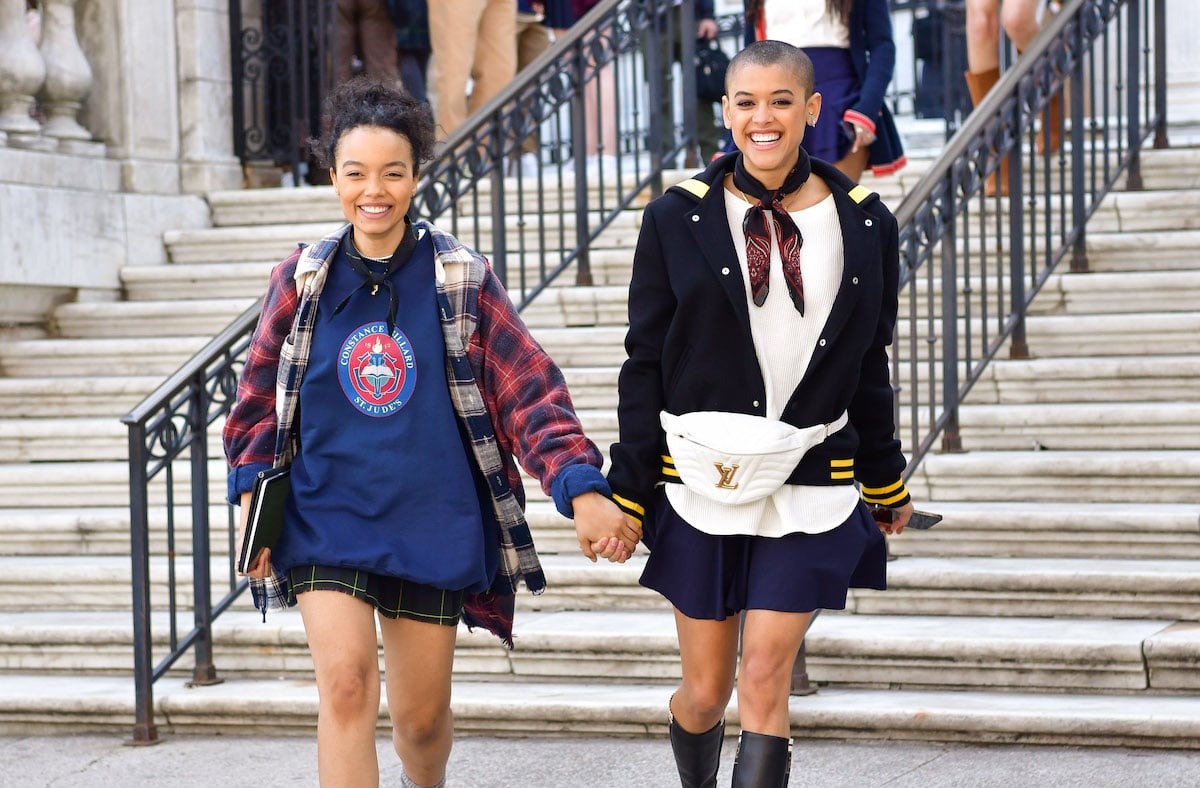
x=393, y=597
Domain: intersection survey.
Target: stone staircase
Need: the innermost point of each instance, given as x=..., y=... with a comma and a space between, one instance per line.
x=1057, y=602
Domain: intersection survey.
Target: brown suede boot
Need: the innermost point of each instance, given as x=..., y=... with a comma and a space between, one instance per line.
x=1051, y=119
x=978, y=84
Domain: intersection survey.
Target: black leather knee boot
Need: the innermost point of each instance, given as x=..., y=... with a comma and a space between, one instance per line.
x=697, y=755
x=762, y=761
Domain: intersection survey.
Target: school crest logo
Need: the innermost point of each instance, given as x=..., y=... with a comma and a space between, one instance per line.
x=378, y=371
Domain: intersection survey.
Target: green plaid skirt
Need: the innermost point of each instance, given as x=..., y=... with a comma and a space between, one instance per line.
x=391, y=596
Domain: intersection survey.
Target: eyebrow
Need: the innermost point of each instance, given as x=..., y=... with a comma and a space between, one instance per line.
x=356, y=163
x=787, y=91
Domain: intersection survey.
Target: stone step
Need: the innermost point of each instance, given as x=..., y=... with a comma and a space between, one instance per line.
x=156, y=356
x=49, y=704
x=1037, y=476
x=180, y=281
x=598, y=346
x=1124, y=476
x=1146, y=378
x=277, y=241
x=1122, y=335
x=267, y=207
x=1071, y=426
x=190, y=317
x=73, y=397
x=189, y=301
x=1027, y=654
x=98, y=530
x=1158, y=589
x=939, y=586
x=1051, y=530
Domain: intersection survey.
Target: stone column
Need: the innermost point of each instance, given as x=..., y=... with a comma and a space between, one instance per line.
x=133, y=106
x=21, y=74
x=68, y=73
x=205, y=96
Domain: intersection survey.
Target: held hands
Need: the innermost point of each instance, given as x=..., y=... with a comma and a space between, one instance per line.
x=603, y=529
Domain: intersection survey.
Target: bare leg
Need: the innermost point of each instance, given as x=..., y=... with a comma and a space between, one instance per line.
x=341, y=637
x=1020, y=21
x=854, y=163
x=769, y=645
x=983, y=35
x=419, y=659
x=708, y=652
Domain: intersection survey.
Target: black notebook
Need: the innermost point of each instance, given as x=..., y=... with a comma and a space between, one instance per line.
x=266, y=513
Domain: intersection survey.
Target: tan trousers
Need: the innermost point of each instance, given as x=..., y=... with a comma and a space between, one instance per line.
x=365, y=27
x=533, y=38
x=474, y=39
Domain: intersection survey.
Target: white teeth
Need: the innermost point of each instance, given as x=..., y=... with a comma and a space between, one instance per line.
x=373, y=209
x=764, y=137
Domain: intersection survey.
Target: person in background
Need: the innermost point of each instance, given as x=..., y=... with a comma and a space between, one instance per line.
x=1019, y=18
x=411, y=18
x=536, y=22
x=364, y=27
x=851, y=46
x=391, y=372
x=763, y=299
x=471, y=39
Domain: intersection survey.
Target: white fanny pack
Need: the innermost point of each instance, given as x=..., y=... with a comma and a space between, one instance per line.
x=736, y=458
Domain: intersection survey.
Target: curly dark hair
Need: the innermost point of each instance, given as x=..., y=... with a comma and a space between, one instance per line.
x=365, y=102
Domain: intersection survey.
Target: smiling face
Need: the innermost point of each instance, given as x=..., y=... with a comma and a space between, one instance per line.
x=375, y=177
x=766, y=108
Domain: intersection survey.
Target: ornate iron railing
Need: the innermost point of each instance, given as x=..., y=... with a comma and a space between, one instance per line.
x=281, y=57
x=971, y=264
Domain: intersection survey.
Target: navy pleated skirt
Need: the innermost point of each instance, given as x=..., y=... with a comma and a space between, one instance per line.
x=713, y=577
x=839, y=85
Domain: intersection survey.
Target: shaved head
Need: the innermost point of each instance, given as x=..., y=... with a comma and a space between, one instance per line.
x=775, y=53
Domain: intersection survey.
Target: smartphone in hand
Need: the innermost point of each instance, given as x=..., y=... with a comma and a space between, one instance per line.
x=919, y=520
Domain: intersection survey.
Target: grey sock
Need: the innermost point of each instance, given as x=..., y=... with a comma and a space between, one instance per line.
x=407, y=782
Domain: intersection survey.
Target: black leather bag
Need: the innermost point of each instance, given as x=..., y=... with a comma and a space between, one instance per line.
x=711, y=64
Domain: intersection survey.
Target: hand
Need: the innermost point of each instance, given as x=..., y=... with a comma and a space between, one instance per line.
x=603, y=529
x=260, y=567
x=707, y=28
x=900, y=518
x=862, y=137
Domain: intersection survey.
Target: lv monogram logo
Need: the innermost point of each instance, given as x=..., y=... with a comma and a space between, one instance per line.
x=727, y=473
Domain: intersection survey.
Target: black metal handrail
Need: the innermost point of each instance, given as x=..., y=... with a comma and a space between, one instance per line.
x=972, y=264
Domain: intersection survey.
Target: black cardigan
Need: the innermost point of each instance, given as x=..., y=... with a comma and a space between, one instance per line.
x=689, y=344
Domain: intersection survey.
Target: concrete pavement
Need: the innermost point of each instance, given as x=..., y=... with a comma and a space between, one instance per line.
x=182, y=761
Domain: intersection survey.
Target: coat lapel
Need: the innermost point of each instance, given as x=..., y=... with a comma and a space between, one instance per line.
x=709, y=226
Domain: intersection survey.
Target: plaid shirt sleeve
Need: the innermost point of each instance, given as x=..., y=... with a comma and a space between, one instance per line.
x=249, y=432
x=525, y=391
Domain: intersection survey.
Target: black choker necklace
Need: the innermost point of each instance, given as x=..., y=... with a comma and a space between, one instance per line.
x=376, y=277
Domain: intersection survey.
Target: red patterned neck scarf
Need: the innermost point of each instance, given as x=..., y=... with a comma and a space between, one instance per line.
x=758, y=240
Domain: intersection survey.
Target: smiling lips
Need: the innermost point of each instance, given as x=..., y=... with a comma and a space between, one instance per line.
x=765, y=137
x=374, y=210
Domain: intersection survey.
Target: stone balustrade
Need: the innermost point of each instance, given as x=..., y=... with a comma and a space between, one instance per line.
x=44, y=78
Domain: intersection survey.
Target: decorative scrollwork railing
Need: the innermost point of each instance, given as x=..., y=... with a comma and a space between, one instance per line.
x=971, y=264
